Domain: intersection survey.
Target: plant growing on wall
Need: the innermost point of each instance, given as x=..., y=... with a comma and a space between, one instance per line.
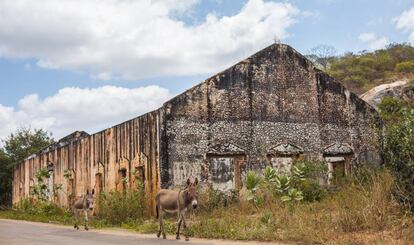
x=67, y=174
x=40, y=190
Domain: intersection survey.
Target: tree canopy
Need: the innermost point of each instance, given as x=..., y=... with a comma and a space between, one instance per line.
x=16, y=147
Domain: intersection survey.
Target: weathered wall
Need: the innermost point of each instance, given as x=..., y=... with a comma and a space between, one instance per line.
x=274, y=97
x=129, y=145
x=271, y=108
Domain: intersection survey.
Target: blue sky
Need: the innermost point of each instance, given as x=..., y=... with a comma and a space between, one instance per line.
x=52, y=56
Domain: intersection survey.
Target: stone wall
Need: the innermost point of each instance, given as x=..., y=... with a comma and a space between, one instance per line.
x=269, y=109
x=272, y=98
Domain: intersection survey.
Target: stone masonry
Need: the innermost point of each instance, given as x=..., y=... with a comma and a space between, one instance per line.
x=269, y=109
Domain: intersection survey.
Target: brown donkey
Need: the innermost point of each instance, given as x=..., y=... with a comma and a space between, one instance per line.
x=84, y=204
x=170, y=201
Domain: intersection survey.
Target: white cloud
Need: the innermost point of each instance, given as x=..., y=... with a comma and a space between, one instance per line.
x=73, y=109
x=405, y=22
x=137, y=39
x=373, y=41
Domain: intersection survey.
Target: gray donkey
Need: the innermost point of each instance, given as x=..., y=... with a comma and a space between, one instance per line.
x=84, y=204
x=170, y=201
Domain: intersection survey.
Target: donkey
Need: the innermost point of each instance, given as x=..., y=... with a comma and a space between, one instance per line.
x=170, y=201
x=84, y=203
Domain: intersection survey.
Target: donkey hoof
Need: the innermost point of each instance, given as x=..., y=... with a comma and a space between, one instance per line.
x=187, y=239
x=158, y=235
x=164, y=237
x=86, y=228
x=177, y=237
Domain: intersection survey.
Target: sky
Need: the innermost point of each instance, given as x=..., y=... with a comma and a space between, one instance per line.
x=89, y=64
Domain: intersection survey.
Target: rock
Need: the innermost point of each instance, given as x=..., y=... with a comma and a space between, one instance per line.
x=402, y=89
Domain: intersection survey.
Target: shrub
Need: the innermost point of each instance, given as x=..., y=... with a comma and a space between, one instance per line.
x=301, y=183
x=406, y=66
x=120, y=207
x=397, y=146
x=210, y=199
x=252, y=183
x=39, y=207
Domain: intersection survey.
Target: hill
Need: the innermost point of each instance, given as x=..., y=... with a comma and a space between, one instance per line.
x=363, y=71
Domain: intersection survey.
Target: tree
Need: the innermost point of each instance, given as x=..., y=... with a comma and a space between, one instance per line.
x=26, y=142
x=322, y=54
x=18, y=146
x=397, y=147
x=5, y=176
x=392, y=109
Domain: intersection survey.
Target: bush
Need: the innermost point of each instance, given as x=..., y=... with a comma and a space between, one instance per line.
x=301, y=183
x=210, y=199
x=39, y=207
x=121, y=207
x=406, y=66
x=397, y=146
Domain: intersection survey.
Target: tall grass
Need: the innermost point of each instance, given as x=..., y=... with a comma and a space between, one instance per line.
x=363, y=204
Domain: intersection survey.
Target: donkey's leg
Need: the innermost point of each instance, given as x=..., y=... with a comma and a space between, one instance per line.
x=85, y=213
x=178, y=226
x=75, y=212
x=185, y=226
x=160, y=223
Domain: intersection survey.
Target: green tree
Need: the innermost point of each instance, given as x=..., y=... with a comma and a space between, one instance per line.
x=5, y=176
x=398, y=151
x=17, y=146
x=25, y=142
x=391, y=109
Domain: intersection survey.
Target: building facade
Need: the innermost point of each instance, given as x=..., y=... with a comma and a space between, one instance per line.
x=269, y=109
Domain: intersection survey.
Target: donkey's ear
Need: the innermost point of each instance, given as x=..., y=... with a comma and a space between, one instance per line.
x=93, y=191
x=87, y=191
x=188, y=181
x=196, y=181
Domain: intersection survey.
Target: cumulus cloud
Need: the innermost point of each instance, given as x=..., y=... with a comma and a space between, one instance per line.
x=137, y=39
x=373, y=41
x=74, y=108
x=405, y=22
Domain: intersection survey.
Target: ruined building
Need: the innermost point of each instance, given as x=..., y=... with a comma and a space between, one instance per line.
x=268, y=109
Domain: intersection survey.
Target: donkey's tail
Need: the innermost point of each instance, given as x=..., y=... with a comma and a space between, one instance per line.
x=156, y=209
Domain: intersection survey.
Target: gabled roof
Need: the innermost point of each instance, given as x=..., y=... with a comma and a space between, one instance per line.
x=285, y=149
x=338, y=148
x=225, y=148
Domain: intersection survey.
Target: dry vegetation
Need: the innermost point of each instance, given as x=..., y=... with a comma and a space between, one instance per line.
x=365, y=70
x=363, y=211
